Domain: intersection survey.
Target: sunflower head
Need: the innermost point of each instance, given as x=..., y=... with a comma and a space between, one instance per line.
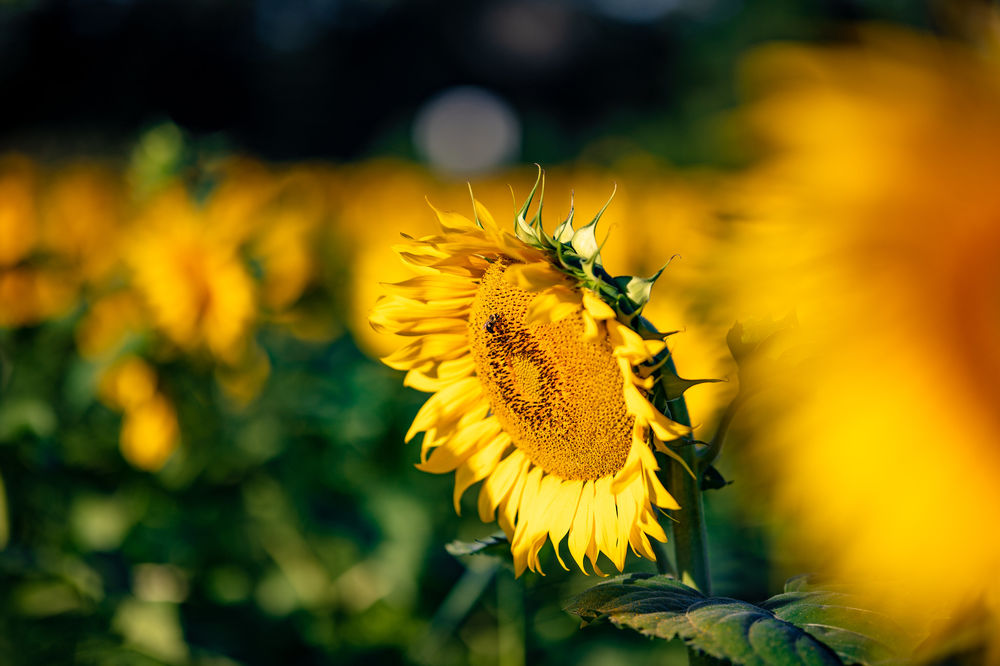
x=548, y=385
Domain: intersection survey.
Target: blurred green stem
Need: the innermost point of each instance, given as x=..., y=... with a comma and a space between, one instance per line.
x=690, y=539
x=688, y=529
x=456, y=606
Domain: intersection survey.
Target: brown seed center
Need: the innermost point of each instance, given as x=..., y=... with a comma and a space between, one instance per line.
x=558, y=397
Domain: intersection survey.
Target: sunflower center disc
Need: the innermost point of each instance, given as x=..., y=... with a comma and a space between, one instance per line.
x=559, y=398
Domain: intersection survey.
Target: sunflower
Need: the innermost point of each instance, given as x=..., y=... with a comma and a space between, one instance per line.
x=545, y=382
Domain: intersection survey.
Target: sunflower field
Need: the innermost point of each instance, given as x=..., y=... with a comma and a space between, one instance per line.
x=508, y=332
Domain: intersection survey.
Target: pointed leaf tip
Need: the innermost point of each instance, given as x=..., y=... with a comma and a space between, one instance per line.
x=675, y=386
x=483, y=545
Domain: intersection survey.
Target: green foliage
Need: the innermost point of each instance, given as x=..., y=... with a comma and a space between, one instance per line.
x=803, y=625
x=493, y=544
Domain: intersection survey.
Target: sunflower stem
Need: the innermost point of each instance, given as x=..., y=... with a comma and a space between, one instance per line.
x=663, y=564
x=690, y=536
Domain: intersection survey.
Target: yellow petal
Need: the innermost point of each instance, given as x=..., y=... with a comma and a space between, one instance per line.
x=581, y=534
x=499, y=484
x=606, y=520
x=651, y=526
x=451, y=221
x=563, y=509
x=440, y=375
x=597, y=308
x=483, y=215
x=627, y=514
x=592, y=330
x=538, y=276
x=630, y=345
x=657, y=494
x=640, y=542
x=633, y=465
x=528, y=511
x=645, y=413
x=447, y=406
x=462, y=444
x=432, y=287
x=430, y=348
x=510, y=504
x=534, y=517
x=552, y=305
x=476, y=468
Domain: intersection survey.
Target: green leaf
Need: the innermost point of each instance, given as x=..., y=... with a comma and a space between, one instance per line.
x=796, y=627
x=479, y=546
x=831, y=613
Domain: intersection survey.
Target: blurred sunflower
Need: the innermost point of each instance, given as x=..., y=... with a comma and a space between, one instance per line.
x=150, y=432
x=192, y=277
x=875, y=221
x=544, y=377
x=55, y=228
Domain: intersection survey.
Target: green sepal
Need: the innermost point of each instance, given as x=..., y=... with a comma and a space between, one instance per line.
x=536, y=221
x=584, y=240
x=524, y=231
x=638, y=289
x=475, y=211
x=645, y=328
x=674, y=386
x=712, y=479
x=564, y=231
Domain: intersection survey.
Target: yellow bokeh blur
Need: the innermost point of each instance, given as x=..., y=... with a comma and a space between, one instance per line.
x=128, y=383
x=875, y=224
x=199, y=292
x=150, y=433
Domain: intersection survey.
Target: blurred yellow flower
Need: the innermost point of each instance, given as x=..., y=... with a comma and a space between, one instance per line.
x=29, y=295
x=30, y=291
x=57, y=231
x=81, y=214
x=281, y=219
x=287, y=246
x=195, y=284
x=877, y=223
x=128, y=383
x=108, y=322
x=150, y=433
x=18, y=214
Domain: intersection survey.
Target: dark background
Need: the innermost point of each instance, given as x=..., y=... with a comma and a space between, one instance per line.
x=342, y=79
